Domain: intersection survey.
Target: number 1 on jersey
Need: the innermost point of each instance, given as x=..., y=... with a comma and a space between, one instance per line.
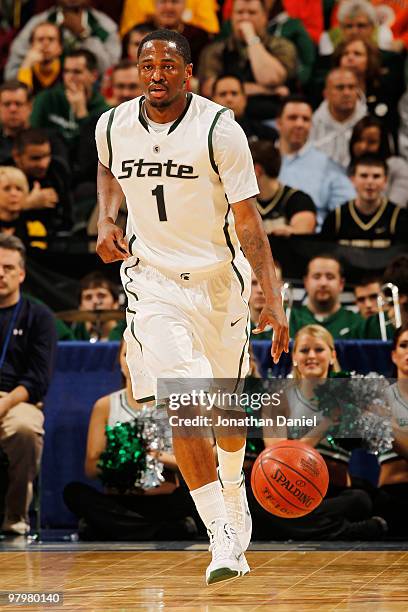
x=159, y=193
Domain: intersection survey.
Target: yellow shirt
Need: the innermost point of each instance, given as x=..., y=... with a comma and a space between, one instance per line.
x=200, y=13
x=25, y=75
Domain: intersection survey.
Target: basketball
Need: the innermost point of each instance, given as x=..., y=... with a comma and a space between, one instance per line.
x=289, y=479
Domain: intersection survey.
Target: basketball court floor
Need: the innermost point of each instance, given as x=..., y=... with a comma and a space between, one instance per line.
x=285, y=577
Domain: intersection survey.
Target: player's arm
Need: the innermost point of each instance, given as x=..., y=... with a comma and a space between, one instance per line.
x=111, y=245
x=255, y=244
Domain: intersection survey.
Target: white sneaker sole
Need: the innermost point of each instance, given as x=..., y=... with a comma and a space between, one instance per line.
x=222, y=574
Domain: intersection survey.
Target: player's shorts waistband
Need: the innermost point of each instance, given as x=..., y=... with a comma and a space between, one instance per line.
x=185, y=277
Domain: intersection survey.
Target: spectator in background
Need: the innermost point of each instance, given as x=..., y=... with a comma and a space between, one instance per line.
x=28, y=341
x=98, y=293
x=284, y=211
x=333, y=121
x=13, y=193
x=130, y=46
x=257, y=302
x=305, y=167
x=81, y=27
x=370, y=220
x=369, y=137
x=125, y=83
x=324, y=282
x=15, y=110
x=168, y=14
x=228, y=90
x=67, y=107
x=264, y=62
x=42, y=67
x=200, y=13
x=49, y=201
x=366, y=292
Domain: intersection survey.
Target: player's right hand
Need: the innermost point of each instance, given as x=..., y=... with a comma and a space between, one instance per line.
x=111, y=245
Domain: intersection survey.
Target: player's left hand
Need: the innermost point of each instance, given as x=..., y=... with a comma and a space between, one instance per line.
x=274, y=315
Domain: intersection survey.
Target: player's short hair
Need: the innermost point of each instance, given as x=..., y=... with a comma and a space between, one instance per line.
x=326, y=256
x=221, y=77
x=12, y=243
x=15, y=85
x=371, y=160
x=181, y=43
x=97, y=279
x=293, y=99
x=90, y=58
x=266, y=155
x=30, y=136
x=46, y=23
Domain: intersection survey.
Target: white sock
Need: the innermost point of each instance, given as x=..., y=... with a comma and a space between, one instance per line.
x=209, y=502
x=230, y=464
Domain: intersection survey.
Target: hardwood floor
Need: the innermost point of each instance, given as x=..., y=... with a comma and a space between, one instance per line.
x=280, y=581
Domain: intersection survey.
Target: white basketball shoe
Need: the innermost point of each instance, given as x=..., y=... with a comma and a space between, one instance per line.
x=236, y=505
x=228, y=560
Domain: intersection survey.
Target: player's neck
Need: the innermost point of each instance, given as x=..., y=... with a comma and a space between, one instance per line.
x=168, y=113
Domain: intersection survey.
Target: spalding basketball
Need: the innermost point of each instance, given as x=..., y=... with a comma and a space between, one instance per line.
x=289, y=479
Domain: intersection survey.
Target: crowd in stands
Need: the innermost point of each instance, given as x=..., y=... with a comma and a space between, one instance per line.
x=320, y=90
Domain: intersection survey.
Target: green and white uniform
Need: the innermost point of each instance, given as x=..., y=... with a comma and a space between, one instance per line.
x=187, y=282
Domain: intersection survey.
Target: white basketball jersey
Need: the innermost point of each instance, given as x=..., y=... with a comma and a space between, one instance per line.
x=179, y=183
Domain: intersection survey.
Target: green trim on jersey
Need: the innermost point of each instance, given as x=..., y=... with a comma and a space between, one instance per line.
x=132, y=331
x=173, y=125
x=242, y=356
x=131, y=241
x=108, y=137
x=210, y=135
x=127, y=290
x=183, y=114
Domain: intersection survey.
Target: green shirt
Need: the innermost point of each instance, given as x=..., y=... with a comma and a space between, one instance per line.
x=80, y=332
x=343, y=324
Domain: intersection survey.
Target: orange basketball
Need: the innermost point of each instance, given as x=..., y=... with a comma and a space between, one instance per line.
x=289, y=479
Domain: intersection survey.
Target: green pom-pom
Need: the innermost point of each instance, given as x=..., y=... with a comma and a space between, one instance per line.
x=123, y=462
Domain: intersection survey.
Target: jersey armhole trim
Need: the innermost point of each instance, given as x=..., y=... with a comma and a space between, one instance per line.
x=394, y=218
x=210, y=142
x=109, y=137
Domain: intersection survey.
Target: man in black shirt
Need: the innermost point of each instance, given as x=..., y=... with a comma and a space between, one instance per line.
x=284, y=211
x=27, y=350
x=370, y=220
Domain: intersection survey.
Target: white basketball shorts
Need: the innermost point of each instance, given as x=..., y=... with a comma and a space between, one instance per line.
x=186, y=327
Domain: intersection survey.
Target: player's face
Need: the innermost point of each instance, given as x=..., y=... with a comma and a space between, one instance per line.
x=125, y=85
x=15, y=109
x=34, y=161
x=370, y=182
x=313, y=357
x=12, y=198
x=163, y=73
x=399, y=356
x=228, y=92
x=97, y=298
x=370, y=141
x=366, y=299
x=323, y=282
x=294, y=124
x=11, y=273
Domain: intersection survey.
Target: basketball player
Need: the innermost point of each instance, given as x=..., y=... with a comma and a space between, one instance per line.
x=185, y=168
